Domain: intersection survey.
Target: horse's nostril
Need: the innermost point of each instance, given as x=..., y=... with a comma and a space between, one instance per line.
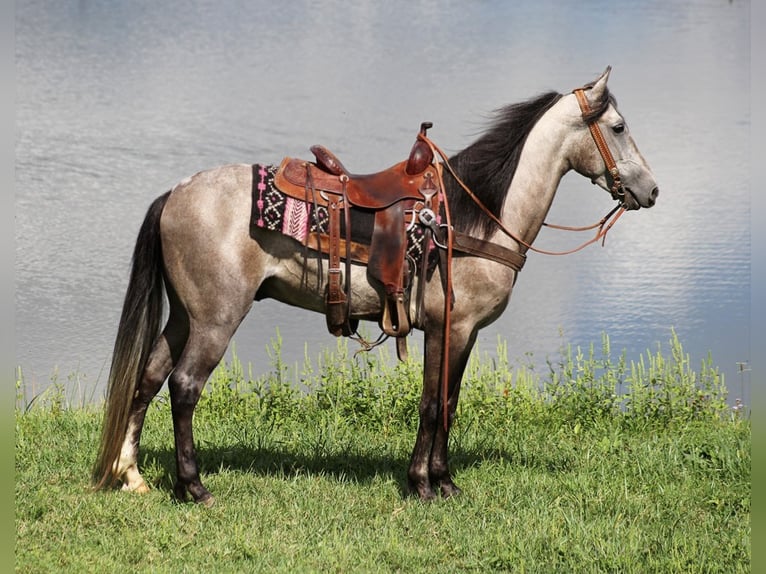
x=653, y=195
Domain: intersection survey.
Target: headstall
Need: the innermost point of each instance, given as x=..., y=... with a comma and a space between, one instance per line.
x=616, y=189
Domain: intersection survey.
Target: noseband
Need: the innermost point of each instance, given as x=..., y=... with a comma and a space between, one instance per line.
x=616, y=190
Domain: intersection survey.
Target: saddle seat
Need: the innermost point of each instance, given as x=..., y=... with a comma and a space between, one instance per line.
x=388, y=193
x=375, y=191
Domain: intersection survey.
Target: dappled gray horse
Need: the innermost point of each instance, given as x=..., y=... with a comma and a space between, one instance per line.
x=198, y=245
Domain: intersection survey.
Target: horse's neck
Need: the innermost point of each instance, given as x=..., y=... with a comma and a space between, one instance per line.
x=542, y=164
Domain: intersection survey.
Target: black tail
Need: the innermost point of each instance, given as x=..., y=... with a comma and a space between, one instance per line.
x=139, y=327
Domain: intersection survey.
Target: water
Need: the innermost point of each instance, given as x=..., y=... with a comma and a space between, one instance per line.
x=116, y=102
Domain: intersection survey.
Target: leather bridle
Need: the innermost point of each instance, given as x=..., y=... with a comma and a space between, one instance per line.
x=616, y=189
x=603, y=225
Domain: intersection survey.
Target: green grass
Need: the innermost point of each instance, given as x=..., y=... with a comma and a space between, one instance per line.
x=601, y=466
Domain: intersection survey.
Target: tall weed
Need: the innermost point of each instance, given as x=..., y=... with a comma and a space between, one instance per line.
x=584, y=388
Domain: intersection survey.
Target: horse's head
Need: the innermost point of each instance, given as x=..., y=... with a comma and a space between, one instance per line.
x=605, y=151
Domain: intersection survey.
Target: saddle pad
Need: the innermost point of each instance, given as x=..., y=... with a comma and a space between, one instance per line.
x=275, y=211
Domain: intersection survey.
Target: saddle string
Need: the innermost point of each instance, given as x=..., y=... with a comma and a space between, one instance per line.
x=366, y=346
x=603, y=227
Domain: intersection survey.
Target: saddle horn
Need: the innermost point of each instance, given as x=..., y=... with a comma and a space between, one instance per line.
x=421, y=155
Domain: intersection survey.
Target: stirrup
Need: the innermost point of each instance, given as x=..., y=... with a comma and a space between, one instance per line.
x=399, y=325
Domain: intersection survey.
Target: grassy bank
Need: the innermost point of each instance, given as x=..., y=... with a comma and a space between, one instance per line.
x=597, y=466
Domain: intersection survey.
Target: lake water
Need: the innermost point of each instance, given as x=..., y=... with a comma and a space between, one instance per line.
x=118, y=101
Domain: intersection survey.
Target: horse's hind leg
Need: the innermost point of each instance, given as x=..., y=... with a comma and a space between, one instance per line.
x=160, y=363
x=203, y=351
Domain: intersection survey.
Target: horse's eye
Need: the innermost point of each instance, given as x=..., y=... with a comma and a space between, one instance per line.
x=619, y=128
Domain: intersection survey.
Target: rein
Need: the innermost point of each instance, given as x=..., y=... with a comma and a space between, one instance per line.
x=604, y=225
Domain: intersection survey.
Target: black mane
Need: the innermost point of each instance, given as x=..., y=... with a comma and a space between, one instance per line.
x=488, y=165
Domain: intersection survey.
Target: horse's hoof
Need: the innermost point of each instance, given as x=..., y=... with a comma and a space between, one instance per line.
x=179, y=493
x=424, y=493
x=450, y=489
x=140, y=488
x=206, y=501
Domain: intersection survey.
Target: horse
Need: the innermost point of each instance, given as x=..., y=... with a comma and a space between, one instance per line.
x=198, y=254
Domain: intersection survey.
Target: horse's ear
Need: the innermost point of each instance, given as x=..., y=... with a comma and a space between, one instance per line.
x=599, y=86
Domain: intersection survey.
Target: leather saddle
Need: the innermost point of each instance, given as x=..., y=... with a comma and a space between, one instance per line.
x=410, y=185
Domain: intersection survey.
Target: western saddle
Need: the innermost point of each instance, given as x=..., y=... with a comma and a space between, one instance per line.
x=394, y=196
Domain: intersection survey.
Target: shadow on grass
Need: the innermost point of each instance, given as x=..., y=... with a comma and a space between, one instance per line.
x=281, y=463
x=362, y=468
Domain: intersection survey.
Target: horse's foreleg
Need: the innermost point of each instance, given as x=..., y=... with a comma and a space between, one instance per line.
x=438, y=468
x=429, y=468
x=418, y=478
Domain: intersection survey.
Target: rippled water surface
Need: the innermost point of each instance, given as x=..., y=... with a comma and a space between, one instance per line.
x=118, y=101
